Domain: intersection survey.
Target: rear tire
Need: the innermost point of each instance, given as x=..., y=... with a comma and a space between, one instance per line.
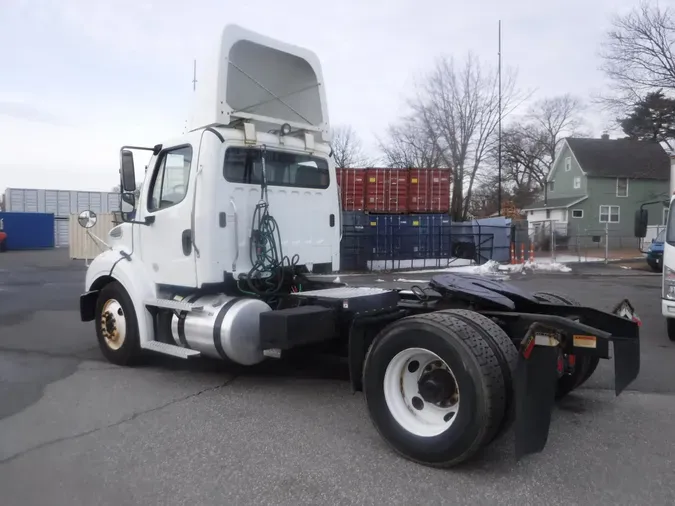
x=585, y=366
x=506, y=353
x=116, y=325
x=415, y=425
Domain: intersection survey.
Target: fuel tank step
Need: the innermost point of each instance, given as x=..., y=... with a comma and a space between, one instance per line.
x=170, y=349
x=177, y=305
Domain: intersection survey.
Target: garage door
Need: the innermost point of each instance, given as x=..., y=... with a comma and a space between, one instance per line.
x=62, y=232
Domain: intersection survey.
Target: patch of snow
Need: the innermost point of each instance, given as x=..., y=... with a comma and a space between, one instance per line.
x=337, y=280
x=380, y=281
x=403, y=280
x=491, y=267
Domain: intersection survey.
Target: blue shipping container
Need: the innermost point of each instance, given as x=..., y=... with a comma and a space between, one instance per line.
x=28, y=230
x=388, y=230
x=356, y=246
x=427, y=236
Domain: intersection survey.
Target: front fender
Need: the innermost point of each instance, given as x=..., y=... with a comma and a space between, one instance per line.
x=132, y=274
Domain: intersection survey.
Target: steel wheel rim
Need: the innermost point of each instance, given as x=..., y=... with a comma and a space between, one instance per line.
x=406, y=379
x=113, y=324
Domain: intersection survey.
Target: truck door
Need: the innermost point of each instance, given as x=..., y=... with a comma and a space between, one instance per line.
x=166, y=244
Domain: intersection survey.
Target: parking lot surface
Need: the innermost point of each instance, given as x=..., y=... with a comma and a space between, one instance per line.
x=76, y=430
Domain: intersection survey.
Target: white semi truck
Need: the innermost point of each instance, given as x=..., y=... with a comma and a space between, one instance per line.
x=218, y=256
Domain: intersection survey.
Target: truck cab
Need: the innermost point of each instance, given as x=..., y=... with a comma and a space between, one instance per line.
x=229, y=216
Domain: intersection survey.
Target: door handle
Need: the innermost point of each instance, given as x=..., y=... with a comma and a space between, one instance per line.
x=331, y=220
x=186, y=239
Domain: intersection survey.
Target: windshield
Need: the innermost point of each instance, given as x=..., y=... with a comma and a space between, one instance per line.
x=244, y=165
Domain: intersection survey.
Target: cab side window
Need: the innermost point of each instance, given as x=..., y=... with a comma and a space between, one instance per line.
x=170, y=181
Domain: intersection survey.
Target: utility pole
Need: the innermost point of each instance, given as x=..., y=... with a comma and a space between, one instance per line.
x=499, y=126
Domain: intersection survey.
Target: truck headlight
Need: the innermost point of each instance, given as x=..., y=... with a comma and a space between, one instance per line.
x=668, y=283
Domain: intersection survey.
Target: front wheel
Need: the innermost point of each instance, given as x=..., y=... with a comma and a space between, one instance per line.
x=670, y=327
x=434, y=389
x=116, y=325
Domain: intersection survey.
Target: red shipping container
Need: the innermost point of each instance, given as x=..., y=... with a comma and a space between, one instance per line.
x=352, y=188
x=429, y=190
x=387, y=190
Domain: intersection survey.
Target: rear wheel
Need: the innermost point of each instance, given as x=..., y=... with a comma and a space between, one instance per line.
x=434, y=388
x=584, y=366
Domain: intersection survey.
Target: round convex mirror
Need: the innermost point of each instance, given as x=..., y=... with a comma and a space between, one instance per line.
x=87, y=219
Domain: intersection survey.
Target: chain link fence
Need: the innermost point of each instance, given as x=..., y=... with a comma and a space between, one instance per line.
x=560, y=241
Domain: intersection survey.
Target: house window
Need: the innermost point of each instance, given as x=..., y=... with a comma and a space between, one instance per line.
x=609, y=214
x=568, y=164
x=577, y=182
x=622, y=187
x=577, y=213
x=551, y=185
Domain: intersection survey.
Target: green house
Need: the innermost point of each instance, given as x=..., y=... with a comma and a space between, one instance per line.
x=594, y=188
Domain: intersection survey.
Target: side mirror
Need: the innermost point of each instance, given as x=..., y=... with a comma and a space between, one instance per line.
x=130, y=199
x=127, y=206
x=127, y=171
x=641, y=220
x=87, y=219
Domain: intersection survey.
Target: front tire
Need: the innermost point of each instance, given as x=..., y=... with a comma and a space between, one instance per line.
x=116, y=325
x=434, y=388
x=670, y=327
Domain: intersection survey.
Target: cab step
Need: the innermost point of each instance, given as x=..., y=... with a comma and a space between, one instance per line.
x=176, y=305
x=170, y=349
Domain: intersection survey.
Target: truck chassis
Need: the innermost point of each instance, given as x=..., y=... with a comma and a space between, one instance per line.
x=444, y=368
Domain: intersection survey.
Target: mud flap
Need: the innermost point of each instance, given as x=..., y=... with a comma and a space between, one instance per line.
x=626, y=350
x=535, y=385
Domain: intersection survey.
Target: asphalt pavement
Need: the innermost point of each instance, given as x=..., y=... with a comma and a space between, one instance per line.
x=76, y=430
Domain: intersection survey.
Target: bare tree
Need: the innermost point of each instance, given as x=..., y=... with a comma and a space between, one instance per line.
x=410, y=144
x=639, y=55
x=529, y=148
x=459, y=110
x=553, y=119
x=347, y=148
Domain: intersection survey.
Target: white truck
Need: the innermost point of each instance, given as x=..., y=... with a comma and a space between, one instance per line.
x=218, y=257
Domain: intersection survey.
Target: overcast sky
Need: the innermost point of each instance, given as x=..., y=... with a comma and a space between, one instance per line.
x=80, y=78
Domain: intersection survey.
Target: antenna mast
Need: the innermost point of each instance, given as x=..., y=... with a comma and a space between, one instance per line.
x=194, y=76
x=499, y=127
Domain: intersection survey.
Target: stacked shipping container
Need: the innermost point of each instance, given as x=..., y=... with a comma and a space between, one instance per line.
x=429, y=190
x=387, y=214
x=395, y=191
x=394, y=215
x=352, y=189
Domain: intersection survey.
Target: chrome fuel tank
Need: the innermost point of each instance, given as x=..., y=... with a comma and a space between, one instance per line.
x=227, y=328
